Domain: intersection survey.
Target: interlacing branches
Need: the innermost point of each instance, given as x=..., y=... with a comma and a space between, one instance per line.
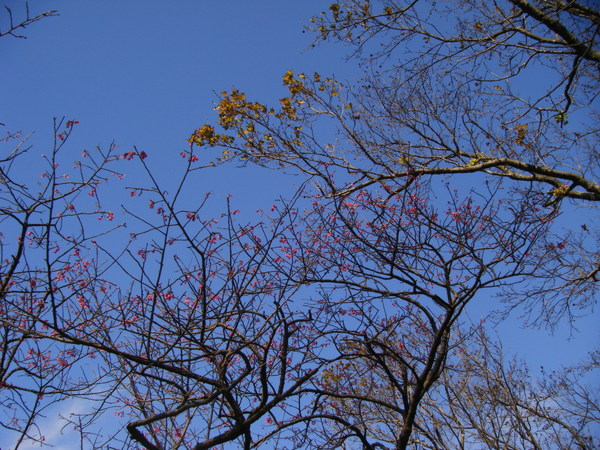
x=337, y=318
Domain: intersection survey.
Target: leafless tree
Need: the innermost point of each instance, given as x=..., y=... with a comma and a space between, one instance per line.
x=15, y=27
x=486, y=400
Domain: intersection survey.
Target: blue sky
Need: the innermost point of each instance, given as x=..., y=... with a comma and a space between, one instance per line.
x=145, y=73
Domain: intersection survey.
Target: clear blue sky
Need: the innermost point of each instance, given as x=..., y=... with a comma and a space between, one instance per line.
x=145, y=73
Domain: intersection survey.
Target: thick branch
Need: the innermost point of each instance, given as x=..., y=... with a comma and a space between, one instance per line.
x=585, y=51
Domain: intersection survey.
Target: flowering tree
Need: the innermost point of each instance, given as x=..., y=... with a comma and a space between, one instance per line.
x=44, y=275
x=452, y=99
x=319, y=328
x=396, y=273
x=190, y=324
x=441, y=103
x=336, y=318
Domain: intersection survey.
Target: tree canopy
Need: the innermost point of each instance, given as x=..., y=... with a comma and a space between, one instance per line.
x=338, y=318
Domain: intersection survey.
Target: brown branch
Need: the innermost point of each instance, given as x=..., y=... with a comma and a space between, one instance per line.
x=25, y=23
x=584, y=51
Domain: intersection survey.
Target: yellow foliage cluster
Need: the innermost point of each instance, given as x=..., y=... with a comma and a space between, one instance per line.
x=234, y=112
x=206, y=135
x=233, y=106
x=295, y=85
x=521, y=135
x=335, y=375
x=561, y=191
x=287, y=108
x=251, y=119
x=335, y=10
